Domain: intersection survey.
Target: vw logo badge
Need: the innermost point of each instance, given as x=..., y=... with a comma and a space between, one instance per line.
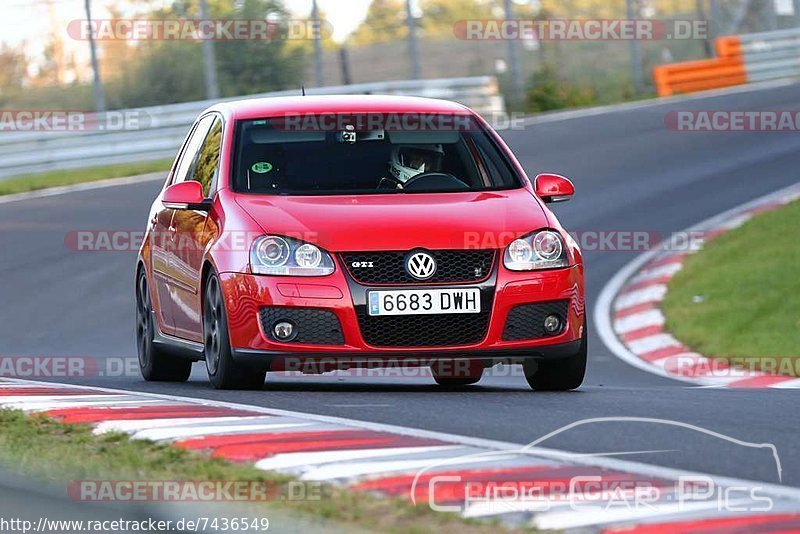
x=421, y=265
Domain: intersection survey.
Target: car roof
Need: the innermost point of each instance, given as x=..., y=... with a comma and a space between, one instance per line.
x=255, y=108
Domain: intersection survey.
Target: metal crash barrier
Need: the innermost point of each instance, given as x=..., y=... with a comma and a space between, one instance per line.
x=153, y=133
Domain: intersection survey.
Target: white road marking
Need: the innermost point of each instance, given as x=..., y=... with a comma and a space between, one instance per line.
x=597, y=515
x=654, y=342
x=68, y=401
x=161, y=434
x=653, y=293
x=636, y=321
x=86, y=186
x=41, y=406
x=360, y=469
x=789, y=384
x=42, y=398
x=317, y=458
x=362, y=405
x=134, y=426
x=668, y=269
x=736, y=222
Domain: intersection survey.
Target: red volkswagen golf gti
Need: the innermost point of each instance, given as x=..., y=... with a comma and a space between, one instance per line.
x=324, y=233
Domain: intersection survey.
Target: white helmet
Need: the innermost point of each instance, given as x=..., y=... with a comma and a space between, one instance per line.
x=407, y=161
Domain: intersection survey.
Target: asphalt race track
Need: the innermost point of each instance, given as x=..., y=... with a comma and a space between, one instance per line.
x=631, y=174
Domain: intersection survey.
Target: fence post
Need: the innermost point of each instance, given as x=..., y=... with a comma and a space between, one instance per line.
x=632, y=12
x=413, y=45
x=517, y=85
x=319, y=76
x=209, y=61
x=97, y=83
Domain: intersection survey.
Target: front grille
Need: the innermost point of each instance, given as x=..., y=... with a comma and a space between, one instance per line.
x=314, y=327
x=388, y=268
x=526, y=321
x=424, y=330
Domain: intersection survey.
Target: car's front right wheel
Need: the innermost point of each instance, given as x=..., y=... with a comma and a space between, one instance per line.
x=223, y=372
x=563, y=374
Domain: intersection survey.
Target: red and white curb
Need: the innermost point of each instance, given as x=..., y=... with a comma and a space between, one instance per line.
x=630, y=322
x=420, y=465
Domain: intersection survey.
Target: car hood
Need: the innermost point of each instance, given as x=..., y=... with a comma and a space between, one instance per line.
x=349, y=223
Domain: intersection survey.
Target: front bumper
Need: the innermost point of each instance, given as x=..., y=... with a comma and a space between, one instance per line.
x=328, y=361
x=247, y=294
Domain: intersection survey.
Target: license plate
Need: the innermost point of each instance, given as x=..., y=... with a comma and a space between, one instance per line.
x=424, y=301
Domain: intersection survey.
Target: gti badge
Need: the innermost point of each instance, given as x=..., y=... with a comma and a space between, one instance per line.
x=421, y=265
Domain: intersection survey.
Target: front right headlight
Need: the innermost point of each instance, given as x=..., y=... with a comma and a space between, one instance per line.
x=284, y=256
x=544, y=249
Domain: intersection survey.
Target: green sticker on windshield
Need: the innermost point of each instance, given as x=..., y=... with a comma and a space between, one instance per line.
x=262, y=167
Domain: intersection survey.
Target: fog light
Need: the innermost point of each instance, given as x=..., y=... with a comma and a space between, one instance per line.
x=552, y=324
x=284, y=331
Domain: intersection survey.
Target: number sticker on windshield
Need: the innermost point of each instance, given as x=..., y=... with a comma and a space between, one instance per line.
x=262, y=167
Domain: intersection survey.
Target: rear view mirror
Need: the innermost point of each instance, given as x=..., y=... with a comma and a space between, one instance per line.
x=553, y=188
x=186, y=196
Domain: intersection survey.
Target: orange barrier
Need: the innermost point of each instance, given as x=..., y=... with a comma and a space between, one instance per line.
x=724, y=71
x=730, y=46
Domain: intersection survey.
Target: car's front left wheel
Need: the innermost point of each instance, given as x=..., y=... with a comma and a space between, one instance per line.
x=223, y=372
x=564, y=374
x=154, y=364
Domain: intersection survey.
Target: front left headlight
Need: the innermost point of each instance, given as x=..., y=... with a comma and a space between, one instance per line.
x=284, y=256
x=544, y=249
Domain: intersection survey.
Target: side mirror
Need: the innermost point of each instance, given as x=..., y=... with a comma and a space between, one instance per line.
x=186, y=196
x=553, y=188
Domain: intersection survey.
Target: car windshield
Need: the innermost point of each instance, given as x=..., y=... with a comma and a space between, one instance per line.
x=337, y=154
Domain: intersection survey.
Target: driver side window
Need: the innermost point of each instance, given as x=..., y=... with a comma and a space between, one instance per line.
x=186, y=165
x=205, y=169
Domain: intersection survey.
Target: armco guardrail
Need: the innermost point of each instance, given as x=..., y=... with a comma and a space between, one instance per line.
x=741, y=59
x=162, y=128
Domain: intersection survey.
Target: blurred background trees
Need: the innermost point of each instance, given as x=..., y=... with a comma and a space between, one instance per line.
x=556, y=73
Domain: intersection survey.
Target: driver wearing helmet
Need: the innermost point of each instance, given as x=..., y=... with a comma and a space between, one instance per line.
x=409, y=161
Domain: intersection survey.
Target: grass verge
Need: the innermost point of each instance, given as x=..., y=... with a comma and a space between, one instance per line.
x=739, y=298
x=40, y=447
x=33, y=182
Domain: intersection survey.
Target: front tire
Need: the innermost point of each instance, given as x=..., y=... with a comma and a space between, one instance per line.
x=154, y=364
x=223, y=372
x=564, y=374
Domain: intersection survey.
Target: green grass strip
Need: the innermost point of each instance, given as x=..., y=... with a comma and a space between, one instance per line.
x=739, y=298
